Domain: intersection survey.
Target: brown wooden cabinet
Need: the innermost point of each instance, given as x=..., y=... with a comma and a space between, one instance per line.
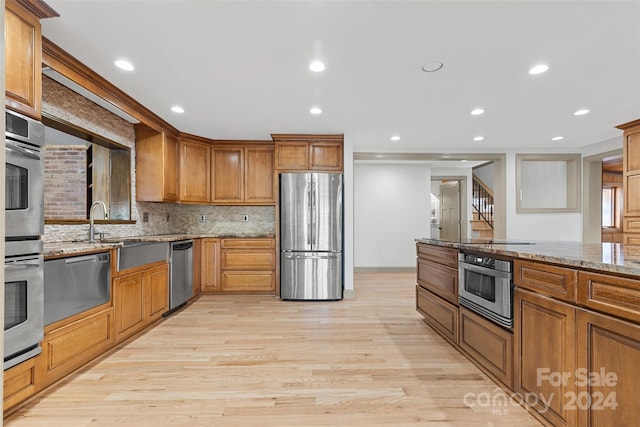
x=140, y=297
x=309, y=152
x=197, y=262
x=210, y=265
x=437, y=271
x=544, y=335
x=552, y=280
x=71, y=343
x=156, y=166
x=488, y=344
x=23, y=55
x=242, y=174
x=608, y=356
x=21, y=382
x=195, y=171
x=247, y=265
x=438, y=313
x=631, y=182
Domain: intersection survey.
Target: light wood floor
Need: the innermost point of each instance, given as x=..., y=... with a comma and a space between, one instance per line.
x=258, y=361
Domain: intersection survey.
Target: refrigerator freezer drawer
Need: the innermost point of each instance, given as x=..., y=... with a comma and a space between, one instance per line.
x=311, y=276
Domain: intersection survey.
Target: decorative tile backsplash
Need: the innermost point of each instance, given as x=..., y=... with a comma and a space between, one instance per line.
x=163, y=218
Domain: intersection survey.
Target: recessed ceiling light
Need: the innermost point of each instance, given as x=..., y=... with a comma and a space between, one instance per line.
x=581, y=112
x=432, y=67
x=477, y=111
x=379, y=156
x=538, y=69
x=395, y=138
x=317, y=66
x=123, y=64
x=315, y=110
x=177, y=109
x=557, y=138
x=463, y=161
x=479, y=138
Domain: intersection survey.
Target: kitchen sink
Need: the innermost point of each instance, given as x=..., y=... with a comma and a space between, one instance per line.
x=135, y=254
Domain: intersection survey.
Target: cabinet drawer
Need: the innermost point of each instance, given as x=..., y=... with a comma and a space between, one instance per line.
x=438, y=313
x=71, y=346
x=247, y=281
x=488, y=344
x=559, y=282
x=20, y=383
x=619, y=296
x=248, y=243
x=446, y=256
x=248, y=259
x=439, y=279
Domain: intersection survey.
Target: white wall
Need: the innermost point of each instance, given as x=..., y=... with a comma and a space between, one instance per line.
x=391, y=210
x=348, y=216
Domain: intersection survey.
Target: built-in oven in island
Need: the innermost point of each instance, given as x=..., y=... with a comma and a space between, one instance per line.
x=485, y=285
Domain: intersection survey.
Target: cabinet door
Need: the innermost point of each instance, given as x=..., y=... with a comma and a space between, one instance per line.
x=156, y=166
x=157, y=292
x=292, y=155
x=210, y=265
x=20, y=383
x=227, y=177
x=259, y=176
x=128, y=301
x=247, y=281
x=23, y=59
x=544, y=335
x=439, y=279
x=195, y=168
x=248, y=259
x=325, y=156
x=440, y=314
x=608, y=356
x=197, y=261
x=170, y=169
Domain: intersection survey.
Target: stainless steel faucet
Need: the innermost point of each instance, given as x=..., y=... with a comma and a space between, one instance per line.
x=92, y=231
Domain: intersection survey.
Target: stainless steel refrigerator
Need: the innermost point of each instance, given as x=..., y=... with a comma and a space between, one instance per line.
x=311, y=219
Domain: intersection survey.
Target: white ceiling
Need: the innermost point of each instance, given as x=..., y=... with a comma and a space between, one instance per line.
x=240, y=68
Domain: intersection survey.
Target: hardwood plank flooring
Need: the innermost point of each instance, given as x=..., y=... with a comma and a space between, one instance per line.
x=258, y=361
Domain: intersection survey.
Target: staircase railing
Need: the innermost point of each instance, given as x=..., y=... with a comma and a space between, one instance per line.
x=482, y=200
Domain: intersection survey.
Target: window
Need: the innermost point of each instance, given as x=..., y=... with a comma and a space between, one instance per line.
x=548, y=183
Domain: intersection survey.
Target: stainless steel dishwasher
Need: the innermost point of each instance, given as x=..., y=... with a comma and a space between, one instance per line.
x=181, y=286
x=75, y=284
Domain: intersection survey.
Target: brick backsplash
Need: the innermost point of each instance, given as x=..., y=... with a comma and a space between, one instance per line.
x=60, y=102
x=65, y=190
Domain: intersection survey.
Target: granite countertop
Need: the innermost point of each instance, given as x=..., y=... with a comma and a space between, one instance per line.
x=56, y=249
x=606, y=257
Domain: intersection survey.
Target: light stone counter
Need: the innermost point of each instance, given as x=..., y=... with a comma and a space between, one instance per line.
x=58, y=249
x=605, y=257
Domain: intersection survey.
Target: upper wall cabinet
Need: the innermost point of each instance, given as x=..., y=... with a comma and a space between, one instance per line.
x=156, y=166
x=242, y=174
x=309, y=152
x=195, y=171
x=23, y=55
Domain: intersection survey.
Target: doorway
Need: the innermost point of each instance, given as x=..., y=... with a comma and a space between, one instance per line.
x=446, y=209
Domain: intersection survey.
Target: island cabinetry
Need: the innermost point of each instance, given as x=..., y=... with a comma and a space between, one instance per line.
x=488, y=344
x=437, y=289
x=243, y=174
x=608, y=376
x=156, y=166
x=247, y=265
x=309, y=152
x=545, y=355
x=71, y=343
x=195, y=171
x=210, y=265
x=555, y=281
x=23, y=55
x=615, y=295
x=631, y=182
x=140, y=297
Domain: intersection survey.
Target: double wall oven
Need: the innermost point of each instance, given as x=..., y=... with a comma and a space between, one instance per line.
x=24, y=227
x=485, y=285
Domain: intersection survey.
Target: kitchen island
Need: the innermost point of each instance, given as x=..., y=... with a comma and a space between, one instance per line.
x=575, y=341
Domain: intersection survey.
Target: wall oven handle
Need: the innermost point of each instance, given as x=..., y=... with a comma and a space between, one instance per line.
x=23, y=151
x=20, y=266
x=484, y=270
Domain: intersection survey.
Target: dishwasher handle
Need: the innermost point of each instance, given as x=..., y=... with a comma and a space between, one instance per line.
x=183, y=246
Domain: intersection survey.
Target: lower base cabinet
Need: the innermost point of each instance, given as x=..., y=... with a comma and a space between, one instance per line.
x=608, y=376
x=140, y=298
x=20, y=383
x=440, y=314
x=489, y=344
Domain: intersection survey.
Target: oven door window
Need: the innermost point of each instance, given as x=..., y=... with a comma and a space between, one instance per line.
x=15, y=304
x=17, y=187
x=480, y=285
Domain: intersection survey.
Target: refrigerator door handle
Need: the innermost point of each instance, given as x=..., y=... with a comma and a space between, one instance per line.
x=309, y=219
x=314, y=212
